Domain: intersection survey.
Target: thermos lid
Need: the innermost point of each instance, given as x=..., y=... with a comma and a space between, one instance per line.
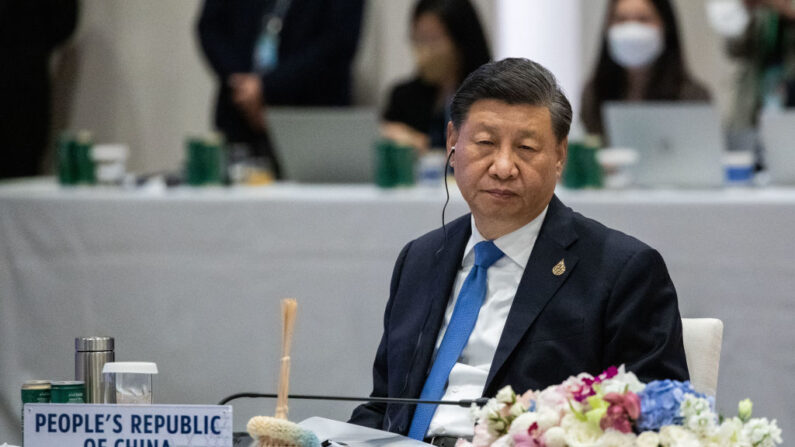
x=92, y=344
x=130, y=367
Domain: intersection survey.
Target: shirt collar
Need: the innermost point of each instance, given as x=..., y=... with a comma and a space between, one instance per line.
x=517, y=245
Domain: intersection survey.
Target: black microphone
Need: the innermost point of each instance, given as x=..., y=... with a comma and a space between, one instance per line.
x=466, y=403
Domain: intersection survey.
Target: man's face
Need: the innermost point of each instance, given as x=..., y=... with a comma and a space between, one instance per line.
x=507, y=161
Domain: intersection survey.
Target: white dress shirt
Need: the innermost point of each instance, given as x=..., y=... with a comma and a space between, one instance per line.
x=468, y=377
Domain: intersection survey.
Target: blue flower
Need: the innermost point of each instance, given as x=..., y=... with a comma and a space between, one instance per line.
x=660, y=402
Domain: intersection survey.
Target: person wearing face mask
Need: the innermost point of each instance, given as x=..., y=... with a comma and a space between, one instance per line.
x=640, y=60
x=760, y=36
x=448, y=43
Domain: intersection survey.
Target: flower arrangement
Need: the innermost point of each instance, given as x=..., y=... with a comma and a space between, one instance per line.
x=615, y=409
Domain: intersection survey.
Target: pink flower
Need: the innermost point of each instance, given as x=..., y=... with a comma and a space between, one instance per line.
x=482, y=437
x=623, y=410
x=529, y=438
x=609, y=373
x=526, y=398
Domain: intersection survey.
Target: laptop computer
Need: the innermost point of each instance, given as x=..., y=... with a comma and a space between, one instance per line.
x=679, y=144
x=325, y=145
x=778, y=137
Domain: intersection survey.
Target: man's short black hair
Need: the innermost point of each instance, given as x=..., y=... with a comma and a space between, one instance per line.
x=514, y=81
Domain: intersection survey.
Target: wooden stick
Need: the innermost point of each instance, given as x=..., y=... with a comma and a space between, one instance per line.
x=289, y=309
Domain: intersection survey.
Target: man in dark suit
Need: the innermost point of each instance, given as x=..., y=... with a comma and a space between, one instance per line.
x=556, y=293
x=314, y=42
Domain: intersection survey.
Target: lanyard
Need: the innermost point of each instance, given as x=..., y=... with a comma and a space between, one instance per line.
x=272, y=23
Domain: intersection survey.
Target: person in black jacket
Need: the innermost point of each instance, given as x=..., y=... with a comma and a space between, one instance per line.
x=29, y=32
x=448, y=43
x=277, y=52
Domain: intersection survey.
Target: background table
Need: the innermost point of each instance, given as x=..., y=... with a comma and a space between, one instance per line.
x=191, y=279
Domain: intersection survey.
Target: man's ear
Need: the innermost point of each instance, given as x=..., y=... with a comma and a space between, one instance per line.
x=562, y=151
x=452, y=139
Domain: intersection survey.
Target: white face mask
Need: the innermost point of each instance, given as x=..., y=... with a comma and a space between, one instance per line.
x=634, y=45
x=729, y=18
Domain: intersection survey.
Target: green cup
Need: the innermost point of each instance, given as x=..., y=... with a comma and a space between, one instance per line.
x=405, y=159
x=593, y=170
x=213, y=163
x=83, y=162
x=574, y=172
x=582, y=169
x=67, y=172
x=385, y=171
x=206, y=162
x=194, y=168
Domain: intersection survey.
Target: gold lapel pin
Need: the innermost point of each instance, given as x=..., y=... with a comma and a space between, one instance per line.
x=559, y=268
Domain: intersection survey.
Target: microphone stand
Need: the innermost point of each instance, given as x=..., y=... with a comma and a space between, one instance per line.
x=466, y=403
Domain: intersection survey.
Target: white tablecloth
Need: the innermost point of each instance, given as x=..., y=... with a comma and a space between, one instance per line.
x=191, y=279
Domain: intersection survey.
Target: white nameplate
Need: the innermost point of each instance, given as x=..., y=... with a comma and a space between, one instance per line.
x=83, y=425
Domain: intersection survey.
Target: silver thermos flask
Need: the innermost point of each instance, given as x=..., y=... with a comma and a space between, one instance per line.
x=91, y=354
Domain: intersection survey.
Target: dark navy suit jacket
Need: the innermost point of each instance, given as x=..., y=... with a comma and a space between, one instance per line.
x=317, y=46
x=614, y=304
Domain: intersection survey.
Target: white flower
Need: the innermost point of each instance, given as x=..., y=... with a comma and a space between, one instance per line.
x=553, y=397
x=762, y=433
x=555, y=437
x=614, y=438
x=547, y=418
x=648, y=439
x=517, y=409
x=624, y=380
x=474, y=413
x=496, y=426
x=676, y=436
x=693, y=405
x=730, y=434
x=503, y=441
x=578, y=433
x=506, y=395
x=698, y=416
x=701, y=424
x=745, y=409
x=490, y=410
x=523, y=422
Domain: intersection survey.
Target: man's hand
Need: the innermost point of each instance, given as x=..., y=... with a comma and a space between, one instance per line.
x=247, y=96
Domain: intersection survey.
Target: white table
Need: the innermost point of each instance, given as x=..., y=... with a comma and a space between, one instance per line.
x=191, y=279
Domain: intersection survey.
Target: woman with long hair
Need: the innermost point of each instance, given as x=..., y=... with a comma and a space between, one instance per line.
x=448, y=43
x=641, y=59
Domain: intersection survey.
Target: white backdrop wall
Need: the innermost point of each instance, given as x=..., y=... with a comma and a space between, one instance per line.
x=133, y=72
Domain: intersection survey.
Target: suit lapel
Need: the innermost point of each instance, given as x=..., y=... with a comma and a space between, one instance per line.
x=441, y=277
x=542, y=277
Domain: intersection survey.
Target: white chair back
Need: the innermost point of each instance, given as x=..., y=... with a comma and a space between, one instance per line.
x=702, y=340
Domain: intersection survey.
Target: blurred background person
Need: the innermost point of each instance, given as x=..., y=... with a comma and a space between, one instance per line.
x=760, y=36
x=765, y=50
x=277, y=52
x=641, y=59
x=448, y=43
x=29, y=32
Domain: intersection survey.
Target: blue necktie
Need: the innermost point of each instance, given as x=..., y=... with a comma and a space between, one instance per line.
x=465, y=314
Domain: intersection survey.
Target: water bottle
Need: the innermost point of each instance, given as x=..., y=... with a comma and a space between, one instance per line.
x=91, y=354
